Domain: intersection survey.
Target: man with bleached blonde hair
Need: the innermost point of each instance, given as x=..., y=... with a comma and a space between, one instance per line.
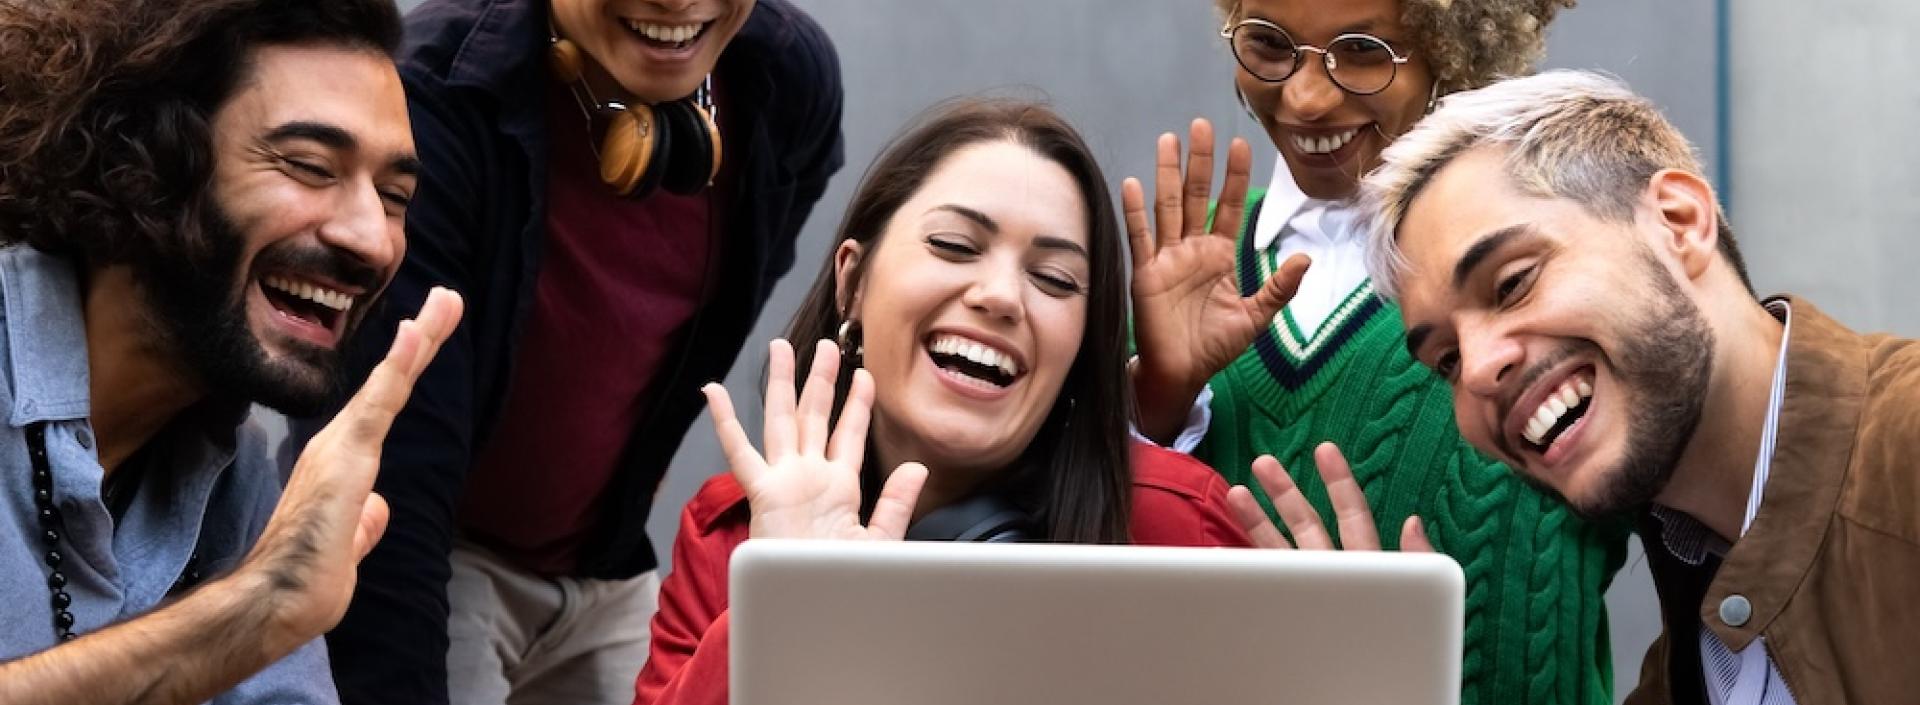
x=1559, y=259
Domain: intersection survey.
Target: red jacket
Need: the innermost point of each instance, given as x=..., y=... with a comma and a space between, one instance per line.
x=1176, y=502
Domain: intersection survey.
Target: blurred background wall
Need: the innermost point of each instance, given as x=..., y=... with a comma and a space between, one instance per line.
x=1822, y=157
x=1802, y=111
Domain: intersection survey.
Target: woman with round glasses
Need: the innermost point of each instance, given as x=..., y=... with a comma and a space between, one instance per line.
x=1256, y=362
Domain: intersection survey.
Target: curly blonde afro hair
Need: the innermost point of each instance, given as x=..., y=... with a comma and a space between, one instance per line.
x=1470, y=43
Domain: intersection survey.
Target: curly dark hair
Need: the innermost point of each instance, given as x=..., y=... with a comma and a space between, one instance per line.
x=106, y=111
x=1469, y=43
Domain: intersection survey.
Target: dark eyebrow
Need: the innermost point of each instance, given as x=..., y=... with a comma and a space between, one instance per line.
x=1050, y=242
x=1485, y=247
x=1417, y=338
x=329, y=135
x=406, y=165
x=983, y=219
x=336, y=138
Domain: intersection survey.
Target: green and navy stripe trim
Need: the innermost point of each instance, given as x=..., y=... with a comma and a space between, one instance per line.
x=1292, y=363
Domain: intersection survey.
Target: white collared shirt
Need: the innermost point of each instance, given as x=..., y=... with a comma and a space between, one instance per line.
x=1323, y=230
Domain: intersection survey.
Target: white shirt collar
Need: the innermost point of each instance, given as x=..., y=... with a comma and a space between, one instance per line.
x=1763, y=465
x=1284, y=205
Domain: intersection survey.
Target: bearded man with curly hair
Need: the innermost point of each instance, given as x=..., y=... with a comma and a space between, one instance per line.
x=1299, y=377
x=199, y=199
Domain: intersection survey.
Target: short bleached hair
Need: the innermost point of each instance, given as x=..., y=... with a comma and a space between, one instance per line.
x=1577, y=135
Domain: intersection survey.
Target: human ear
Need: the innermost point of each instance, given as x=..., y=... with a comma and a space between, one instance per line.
x=1688, y=217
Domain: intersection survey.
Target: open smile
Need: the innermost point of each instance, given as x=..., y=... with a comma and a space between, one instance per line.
x=974, y=366
x=309, y=309
x=668, y=37
x=1548, y=419
x=1325, y=147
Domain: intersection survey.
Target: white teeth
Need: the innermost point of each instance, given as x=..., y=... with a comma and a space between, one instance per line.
x=975, y=352
x=671, y=34
x=1323, y=145
x=989, y=356
x=1557, y=403
x=306, y=290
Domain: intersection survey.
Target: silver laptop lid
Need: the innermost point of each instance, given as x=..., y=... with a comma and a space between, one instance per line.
x=859, y=623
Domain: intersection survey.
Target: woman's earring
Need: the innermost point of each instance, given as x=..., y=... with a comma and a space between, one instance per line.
x=848, y=339
x=1433, y=97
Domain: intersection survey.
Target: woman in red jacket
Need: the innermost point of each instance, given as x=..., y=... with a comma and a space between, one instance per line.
x=977, y=292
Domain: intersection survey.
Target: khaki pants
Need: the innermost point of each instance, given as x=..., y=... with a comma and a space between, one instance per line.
x=522, y=639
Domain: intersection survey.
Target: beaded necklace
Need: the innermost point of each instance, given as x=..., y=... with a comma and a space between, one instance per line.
x=51, y=529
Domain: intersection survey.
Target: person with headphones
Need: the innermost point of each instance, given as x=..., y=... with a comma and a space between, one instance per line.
x=1306, y=369
x=965, y=343
x=615, y=186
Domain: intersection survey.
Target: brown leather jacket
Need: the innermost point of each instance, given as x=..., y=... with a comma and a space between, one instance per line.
x=1831, y=563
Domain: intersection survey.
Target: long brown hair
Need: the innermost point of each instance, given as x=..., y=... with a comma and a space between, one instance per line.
x=1076, y=476
x=106, y=111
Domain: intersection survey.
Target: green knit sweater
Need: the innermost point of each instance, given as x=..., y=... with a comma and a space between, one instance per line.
x=1536, y=624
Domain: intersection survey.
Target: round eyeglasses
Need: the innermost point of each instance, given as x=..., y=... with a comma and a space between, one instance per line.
x=1361, y=64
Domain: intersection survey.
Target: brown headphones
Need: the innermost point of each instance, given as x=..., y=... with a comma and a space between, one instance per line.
x=673, y=145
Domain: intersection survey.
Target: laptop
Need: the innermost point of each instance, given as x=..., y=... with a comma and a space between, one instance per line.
x=924, y=623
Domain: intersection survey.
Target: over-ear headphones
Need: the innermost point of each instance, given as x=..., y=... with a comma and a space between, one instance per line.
x=673, y=145
x=982, y=518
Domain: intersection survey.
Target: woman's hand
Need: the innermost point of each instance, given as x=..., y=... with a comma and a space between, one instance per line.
x=1190, y=321
x=1357, y=532
x=807, y=485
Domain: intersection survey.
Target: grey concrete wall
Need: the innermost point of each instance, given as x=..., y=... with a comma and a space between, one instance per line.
x=1824, y=157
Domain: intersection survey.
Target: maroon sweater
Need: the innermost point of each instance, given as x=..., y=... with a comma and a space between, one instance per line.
x=619, y=282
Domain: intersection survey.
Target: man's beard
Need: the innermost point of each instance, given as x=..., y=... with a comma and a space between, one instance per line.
x=1666, y=359
x=198, y=300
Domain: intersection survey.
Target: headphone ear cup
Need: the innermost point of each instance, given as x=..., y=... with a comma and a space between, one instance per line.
x=982, y=518
x=633, y=151
x=564, y=59
x=691, y=162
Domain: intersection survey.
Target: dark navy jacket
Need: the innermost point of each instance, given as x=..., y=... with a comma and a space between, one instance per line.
x=476, y=78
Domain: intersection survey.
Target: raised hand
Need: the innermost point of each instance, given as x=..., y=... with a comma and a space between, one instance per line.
x=1357, y=532
x=1190, y=320
x=328, y=516
x=807, y=485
